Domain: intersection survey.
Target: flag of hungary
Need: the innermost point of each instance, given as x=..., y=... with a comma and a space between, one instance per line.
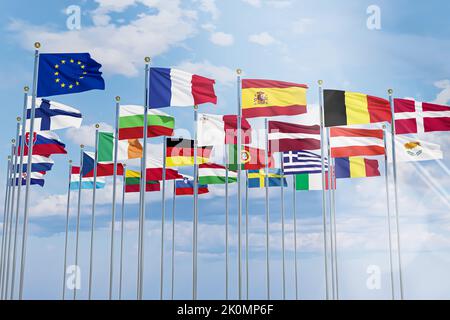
x=127, y=149
x=210, y=173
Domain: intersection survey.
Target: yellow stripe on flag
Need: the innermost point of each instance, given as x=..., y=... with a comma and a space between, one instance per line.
x=357, y=108
x=273, y=97
x=357, y=167
x=184, y=161
x=133, y=174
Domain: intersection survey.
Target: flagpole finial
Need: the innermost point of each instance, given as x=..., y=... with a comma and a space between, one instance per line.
x=147, y=60
x=13, y=141
x=37, y=45
x=26, y=88
x=9, y=157
x=390, y=91
x=70, y=161
x=320, y=82
x=238, y=71
x=117, y=98
x=196, y=107
x=82, y=146
x=97, y=126
x=18, y=119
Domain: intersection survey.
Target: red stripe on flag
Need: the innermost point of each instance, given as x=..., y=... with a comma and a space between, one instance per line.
x=372, y=169
x=404, y=105
x=230, y=126
x=434, y=107
x=138, y=132
x=211, y=166
x=258, y=83
x=285, y=127
x=105, y=170
x=203, y=90
x=156, y=174
x=405, y=126
x=284, y=145
x=379, y=109
x=273, y=111
x=351, y=132
x=355, y=151
x=75, y=170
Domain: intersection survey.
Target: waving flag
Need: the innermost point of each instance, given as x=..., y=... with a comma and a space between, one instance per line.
x=298, y=162
x=251, y=158
x=211, y=173
x=409, y=149
x=269, y=98
x=176, y=88
x=133, y=183
x=185, y=187
x=257, y=178
x=104, y=169
x=180, y=152
x=38, y=164
x=349, y=142
x=356, y=167
x=36, y=178
x=45, y=144
x=52, y=115
x=419, y=117
x=285, y=136
x=86, y=183
x=311, y=182
x=131, y=123
x=66, y=73
x=343, y=108
x=154, y=170
x=127, y=149
x=218, y=130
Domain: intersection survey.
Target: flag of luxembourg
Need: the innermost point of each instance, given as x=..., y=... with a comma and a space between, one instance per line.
x=52, y=115
x=176, y=88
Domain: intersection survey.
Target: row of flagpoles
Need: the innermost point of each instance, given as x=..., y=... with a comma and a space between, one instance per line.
x=10, y=250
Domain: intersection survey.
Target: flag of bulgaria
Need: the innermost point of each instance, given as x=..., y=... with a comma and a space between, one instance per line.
x=131, y=123
x=127, y=149
x=310, y=181
x=210, y=173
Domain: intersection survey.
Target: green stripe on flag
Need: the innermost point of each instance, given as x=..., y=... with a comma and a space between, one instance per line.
x=302, y=182
x=215, y=180
x=105, y=146
x=153, y=120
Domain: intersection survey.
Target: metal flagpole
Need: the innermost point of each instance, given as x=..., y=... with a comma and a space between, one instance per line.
x=386, y=179
x=11, y=214
x=282, y=227
x=140, y=279
x=331, y=215
x=172, y=282
x=226, y=222
x=266, y=186
x=4, y=221
x=333, y=212
x=394, y=165
x=163, y=216
x=294, y=205
x=114, y=194
x=324, y=209
x=37, y=45
x=194, y=245
x=11, y=181
x=91, y=257
x=239, y=169
x=19, y=187
x=122, y=216
x=77, y=237
x=67, y=232
x=246, y=236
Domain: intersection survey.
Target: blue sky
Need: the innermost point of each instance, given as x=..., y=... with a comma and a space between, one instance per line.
x=299, y=41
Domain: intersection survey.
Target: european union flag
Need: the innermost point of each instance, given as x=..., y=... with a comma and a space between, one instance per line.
x=66, y=73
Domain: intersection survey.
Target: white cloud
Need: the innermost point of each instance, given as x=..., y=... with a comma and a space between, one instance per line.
x=263, y=39
x=210, y=7
x=300, y=26
x=224, y=75
x=254, y=3
x=444, y=96
x=120, y=48
x=86, y=134
x=209, y=27
x=222, y=39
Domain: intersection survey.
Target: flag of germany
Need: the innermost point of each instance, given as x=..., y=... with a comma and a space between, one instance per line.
x=180, y=152
x=343, y=108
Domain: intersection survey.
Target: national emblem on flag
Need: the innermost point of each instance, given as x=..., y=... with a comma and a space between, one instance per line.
x=44, y=144
x=269, y=98
x=409, y=148
x=66, y=73
x=342, y=108
x=176, y=88
x=52, y=115
x=420, y=117
x=257, y=178
x=185, y=187
x=251, y=158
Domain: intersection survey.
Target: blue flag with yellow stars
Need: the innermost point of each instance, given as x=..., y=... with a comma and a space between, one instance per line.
x=66, y=73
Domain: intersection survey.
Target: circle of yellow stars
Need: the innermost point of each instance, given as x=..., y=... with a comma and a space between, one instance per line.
x=57, y=73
